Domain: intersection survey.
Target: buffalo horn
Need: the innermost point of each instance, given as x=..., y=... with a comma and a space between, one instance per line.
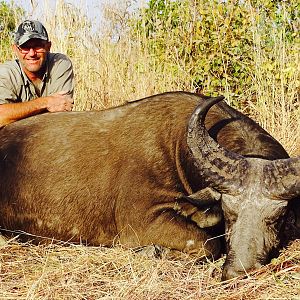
x=282, y=178
x=222, y=168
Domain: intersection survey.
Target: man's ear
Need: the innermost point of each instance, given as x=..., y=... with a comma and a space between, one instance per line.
x=15, y=49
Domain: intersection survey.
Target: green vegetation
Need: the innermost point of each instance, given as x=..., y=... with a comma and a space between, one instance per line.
x=9, y=17
x=215, y=43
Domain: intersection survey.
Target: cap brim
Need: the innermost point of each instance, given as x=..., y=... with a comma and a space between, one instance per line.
x=26, y=37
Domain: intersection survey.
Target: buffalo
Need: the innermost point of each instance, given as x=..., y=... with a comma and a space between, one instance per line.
x=161, y=170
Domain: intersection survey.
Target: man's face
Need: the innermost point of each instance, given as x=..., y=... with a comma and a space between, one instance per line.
x=32, y=54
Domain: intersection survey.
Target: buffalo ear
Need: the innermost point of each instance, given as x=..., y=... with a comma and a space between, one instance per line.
x=208, y=217
x=202, y=198
x=202, y=207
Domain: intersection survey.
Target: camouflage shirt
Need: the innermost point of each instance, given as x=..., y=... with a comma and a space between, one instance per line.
x=16, y=87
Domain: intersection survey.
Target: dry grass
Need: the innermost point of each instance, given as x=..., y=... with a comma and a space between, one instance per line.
x=108, y=74
x=277, y=80
x=80, y=272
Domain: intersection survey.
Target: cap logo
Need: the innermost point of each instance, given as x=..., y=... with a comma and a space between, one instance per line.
x=28, y=26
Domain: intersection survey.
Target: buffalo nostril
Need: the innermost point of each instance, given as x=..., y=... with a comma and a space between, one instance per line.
x=230, y=273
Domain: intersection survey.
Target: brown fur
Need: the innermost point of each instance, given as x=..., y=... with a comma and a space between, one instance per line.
x=116, y=175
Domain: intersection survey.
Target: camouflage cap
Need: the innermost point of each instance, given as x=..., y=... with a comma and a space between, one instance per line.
x=30, y=30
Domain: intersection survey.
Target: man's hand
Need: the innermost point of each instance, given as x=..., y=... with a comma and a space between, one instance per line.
x=11, y=112
x=59, y=102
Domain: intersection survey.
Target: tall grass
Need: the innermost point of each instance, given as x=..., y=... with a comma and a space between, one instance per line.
x=8, y=18
x=276, y=79
x=112, y=66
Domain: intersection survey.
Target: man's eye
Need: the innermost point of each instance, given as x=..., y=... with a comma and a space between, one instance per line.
x=37, y=48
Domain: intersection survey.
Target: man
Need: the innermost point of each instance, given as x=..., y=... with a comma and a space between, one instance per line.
x=37, y=81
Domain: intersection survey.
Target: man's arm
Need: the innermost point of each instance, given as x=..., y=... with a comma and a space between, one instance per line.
x=11, y=112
